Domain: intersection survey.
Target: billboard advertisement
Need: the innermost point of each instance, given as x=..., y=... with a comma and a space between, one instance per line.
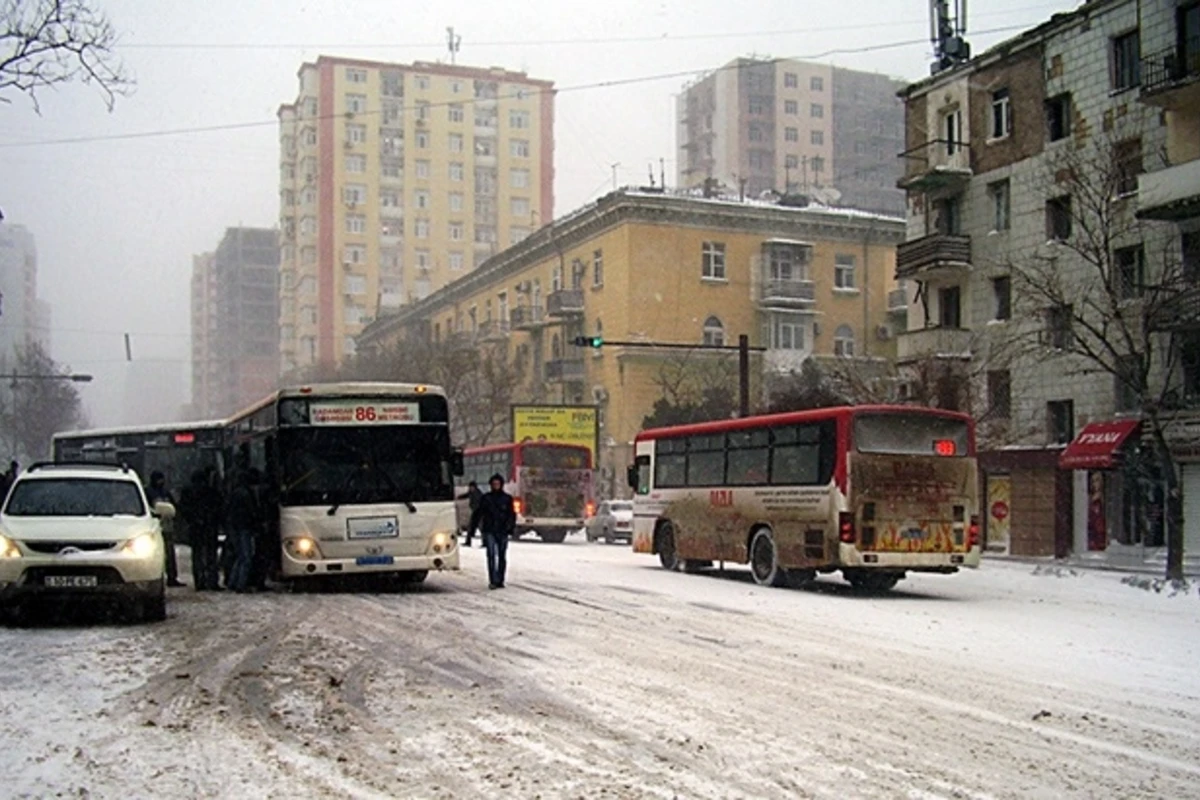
x=563, y=424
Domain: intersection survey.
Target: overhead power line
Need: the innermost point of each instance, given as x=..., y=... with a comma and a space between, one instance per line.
x=609, y=84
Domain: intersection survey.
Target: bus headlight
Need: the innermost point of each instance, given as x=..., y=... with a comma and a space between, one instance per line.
x=303, y=548
x=142, y=546
x=443, y=541
x=8, y=548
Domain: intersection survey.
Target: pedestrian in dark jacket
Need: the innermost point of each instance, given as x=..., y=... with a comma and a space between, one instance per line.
x=200, y=508
x=472, y=496
x=157, y=492
x=497, y=518
x=244, y=519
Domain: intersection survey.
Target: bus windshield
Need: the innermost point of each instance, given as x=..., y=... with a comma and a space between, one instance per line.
x=554, y=457
x=911, y=434
x=376, y=464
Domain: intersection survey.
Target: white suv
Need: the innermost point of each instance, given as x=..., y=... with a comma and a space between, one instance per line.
x=77, y=530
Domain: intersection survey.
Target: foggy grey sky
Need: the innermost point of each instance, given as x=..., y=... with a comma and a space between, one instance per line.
x=117, y=222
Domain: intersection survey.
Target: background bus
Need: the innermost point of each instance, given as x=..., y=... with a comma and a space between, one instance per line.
x=359, y=477
x=176, y=449
x=552, y=484
x=873, y=491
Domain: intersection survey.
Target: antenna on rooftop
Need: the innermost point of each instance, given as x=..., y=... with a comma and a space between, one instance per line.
x=947, y=27
x=453, y=43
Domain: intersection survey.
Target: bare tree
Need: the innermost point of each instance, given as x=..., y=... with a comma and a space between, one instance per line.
x=38, y=405
x=694, y=386
x=47, y=42
x=1100, y=296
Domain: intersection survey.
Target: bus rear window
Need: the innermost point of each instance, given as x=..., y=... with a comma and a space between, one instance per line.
x=910, y=434
x=554, y=457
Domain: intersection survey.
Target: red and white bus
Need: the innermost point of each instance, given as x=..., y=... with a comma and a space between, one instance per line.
x=872, y=491
x=551, y=484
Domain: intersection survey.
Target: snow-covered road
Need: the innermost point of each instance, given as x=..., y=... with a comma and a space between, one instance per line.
x=597, y=674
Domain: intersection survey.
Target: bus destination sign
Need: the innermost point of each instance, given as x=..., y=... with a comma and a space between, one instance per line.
x=363, y=412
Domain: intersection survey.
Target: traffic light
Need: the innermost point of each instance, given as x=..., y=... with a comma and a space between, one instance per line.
x=589, y=341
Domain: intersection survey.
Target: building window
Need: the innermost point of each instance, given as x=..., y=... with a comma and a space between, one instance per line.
x=422, y=109
x=1058, y=218
x=712, y=262
x=455, y=112
x=356, y=285
x=456, y=87
x=519, y=178
x=1127, y=165
x=422, y=168
x=1059, y=325
x=520, y=207
x=456, y=201
x=791, y=107
x=456, y=143
x=598, y=268
x=556, y=279
x=422, y=229
x=843, y=271
x=421, y=199
x=999, y=194
x=757, y=134
x=517, y=234
x=456, y=261
x=1126, y=61
x=356, y=75
x=422, y=140
x=1127, y=382
x=999, y=389
x=354, y=193
x=1058, y=117
x=816, y=137
x=389, y=198
x=790, y=80
x=456, y=171
x=791, y=135
x=356, y=103
x=952, y=131
x=424, y=261
x=1002, y=297
x=818, y=164
x=755, y=107
x=1002, y=120
x=1129, y=267
x=950, y=307
x=356, y=134
x=356, y=162
x=816, y=83
x=518, y=120
x=791, y=162
x=787, y=334
x=714, y=332
x=518, y=148
x=354, y=254
x=817, y=111
x=356, y=223
x=456, y=231
x=843, y=341
x=1189, y=362
x=1060, y=421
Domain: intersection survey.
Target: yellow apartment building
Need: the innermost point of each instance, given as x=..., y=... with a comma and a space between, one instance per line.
x=395, y=180
x=646, y=267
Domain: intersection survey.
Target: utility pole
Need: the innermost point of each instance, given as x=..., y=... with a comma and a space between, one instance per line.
x=614, y=166
x=743, y=375
x=453, y=43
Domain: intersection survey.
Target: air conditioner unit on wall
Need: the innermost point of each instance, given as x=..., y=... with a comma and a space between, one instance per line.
x=883, y=333
x=599, y=394
x=816, y=329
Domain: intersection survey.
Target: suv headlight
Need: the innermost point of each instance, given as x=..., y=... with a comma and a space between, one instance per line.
x=8, y=548
x=141, y=546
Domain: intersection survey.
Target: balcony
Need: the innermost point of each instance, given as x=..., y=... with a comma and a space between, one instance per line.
x=929, y=256
x=936, y=166
x=898, y=301
x=493, y=330
x=777, y=292
x=1171, y=194
x=1171, y=78
x=949, y=343
x=527, y=318
x=565, y=370
x=565, y=303
x=1178, y=313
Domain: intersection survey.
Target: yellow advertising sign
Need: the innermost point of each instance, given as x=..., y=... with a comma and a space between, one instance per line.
x=562, y=424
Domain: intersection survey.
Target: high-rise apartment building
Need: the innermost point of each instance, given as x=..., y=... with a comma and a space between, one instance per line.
x=235, y=329
x=792, y=126
x=396, y=179
x=23, y=317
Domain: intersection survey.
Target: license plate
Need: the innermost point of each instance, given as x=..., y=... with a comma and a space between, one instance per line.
x=70, y=581
x=372, y=527
x=373, y=561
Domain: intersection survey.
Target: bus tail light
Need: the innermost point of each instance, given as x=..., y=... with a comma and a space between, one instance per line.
x=517, y=505
x=973, y=532
x=590, y=509
x=846, y=527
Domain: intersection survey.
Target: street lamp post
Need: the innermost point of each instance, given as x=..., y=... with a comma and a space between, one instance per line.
x=15, y=379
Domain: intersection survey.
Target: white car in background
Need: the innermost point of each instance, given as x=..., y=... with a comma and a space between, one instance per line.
x=613, y=522
x=81, y=532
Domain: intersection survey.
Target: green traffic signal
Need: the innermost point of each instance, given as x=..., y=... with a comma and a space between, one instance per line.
x=589, y=341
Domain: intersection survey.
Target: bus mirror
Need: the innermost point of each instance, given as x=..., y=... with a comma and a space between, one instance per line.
x=631, y=476
x=457, y=468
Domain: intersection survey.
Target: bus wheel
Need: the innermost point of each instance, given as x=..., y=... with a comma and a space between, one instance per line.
x=764, y=560
x=413, y=576
x=873, y=582
x=664, y=543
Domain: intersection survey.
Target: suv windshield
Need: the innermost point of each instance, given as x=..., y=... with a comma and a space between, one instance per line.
x=75, y=497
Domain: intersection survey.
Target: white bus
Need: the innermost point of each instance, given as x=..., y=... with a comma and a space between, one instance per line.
x=359, y=478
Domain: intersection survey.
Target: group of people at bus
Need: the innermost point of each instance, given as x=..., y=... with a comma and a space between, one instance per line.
x=245, y=559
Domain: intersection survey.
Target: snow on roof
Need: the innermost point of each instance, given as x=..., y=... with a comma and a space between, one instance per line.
x=780, y=240
x=813, y=207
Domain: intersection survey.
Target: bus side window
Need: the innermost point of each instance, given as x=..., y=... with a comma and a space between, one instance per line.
x=642, y=475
